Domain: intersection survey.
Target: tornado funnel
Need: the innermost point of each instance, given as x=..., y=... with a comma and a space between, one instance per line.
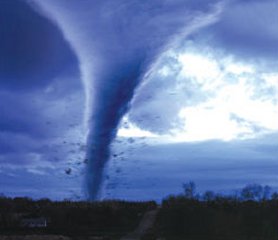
x=116, y=42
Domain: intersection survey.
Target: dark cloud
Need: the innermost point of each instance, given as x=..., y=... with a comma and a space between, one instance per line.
x=41, y=97
x=16, y=143
x=33, y=50
x=20, y=114
x=41, y=114
x=247, y=28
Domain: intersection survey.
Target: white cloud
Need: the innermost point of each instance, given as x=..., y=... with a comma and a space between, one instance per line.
x=210, y=94
x=129, y=129
x=203, y=69
x=238, y=69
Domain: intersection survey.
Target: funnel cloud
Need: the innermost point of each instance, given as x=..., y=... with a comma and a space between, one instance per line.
x=117, y=43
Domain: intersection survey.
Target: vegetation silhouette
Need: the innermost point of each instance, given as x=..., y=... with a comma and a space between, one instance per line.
x=251, y=213
x=107, y=218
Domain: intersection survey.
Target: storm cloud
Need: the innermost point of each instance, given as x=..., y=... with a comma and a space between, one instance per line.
x=150, y=70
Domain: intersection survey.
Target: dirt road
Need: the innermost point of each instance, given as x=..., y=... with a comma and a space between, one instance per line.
x=145, y=224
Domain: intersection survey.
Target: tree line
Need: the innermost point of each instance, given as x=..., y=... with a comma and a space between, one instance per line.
x=249, y=214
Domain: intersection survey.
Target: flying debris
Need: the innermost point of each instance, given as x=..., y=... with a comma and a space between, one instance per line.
x=68, y=171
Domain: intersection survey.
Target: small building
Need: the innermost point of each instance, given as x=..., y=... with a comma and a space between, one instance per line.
x=34, y=222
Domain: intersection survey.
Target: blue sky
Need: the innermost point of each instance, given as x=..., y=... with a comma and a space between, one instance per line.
x=189, y=95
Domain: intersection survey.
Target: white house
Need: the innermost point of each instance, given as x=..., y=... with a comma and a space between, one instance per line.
x=34, y=222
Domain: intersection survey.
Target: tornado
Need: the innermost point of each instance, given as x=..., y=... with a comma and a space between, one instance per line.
x=117, y=42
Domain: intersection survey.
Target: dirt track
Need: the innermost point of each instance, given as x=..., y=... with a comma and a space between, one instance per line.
x=145, y=224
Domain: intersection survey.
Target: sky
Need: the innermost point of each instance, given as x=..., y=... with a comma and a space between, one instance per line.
x=130, y=100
